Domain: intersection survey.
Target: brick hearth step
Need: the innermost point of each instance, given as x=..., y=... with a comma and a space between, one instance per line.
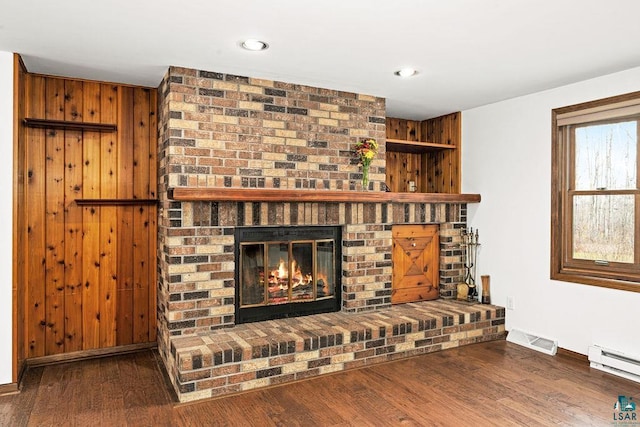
x=252, y=355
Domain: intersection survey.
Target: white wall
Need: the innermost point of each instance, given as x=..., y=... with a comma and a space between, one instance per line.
x=6, y=215
x=507, y=159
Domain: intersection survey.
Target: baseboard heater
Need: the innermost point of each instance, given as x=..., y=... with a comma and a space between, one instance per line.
x=615, y=362
x=533, y=342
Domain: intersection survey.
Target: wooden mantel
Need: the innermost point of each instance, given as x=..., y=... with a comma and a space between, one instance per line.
x=313, y=196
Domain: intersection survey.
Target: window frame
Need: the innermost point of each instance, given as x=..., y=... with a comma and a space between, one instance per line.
x=563, y=266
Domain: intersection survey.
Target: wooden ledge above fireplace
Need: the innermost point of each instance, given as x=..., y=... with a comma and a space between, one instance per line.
x=313, y=196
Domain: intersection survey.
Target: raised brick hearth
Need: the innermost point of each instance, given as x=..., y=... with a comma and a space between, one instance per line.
x=277, y=351
x=220, y=131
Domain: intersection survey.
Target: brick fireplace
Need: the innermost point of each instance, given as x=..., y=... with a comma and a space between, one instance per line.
x=234, y=136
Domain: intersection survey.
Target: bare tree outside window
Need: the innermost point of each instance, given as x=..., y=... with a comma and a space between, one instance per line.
x=605, y=159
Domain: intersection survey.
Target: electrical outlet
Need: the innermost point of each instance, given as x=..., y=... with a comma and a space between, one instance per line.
x=511, y=303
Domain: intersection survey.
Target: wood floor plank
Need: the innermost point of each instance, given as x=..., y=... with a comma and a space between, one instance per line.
x=489, y=384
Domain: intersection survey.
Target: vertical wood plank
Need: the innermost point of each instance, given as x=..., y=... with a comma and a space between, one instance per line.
x=434, y=172
x=35, y=213
x=408, y=168
x=141, y=216
x=73, y=213
x=92, y=103
x=54, y=99
x=73, y=100
x=431, y=173
x=415, y=159
x=19, y=218
x=456, y=138
x=54, y=218
x=125, y=218
x=153, y=214
x=439, y=155
x=108, y=218
x=391, y=171
x=413, y=130
x=396, y=128
x=91, y=220
x=424, y=173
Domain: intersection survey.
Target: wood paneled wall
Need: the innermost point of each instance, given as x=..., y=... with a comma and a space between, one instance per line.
x=403, y=167
x=89, y=249
x=443, y=166
x=433, y=170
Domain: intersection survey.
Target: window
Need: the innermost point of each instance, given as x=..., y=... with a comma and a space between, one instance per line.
x=595, y=237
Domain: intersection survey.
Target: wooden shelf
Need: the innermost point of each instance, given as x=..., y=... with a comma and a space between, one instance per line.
x=427, y=153
x=404, y=146
x=115, y=202
x=67, y=125
x=313, y=196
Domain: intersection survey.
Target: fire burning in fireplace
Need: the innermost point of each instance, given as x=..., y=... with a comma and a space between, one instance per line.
x=301, y=283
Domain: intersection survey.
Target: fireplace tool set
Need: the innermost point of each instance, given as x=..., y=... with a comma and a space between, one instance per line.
x=470, y=244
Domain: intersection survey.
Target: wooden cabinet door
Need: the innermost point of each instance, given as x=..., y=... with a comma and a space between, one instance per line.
x=415, y=257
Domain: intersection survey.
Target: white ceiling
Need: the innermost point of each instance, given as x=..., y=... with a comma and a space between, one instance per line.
x=468, y=52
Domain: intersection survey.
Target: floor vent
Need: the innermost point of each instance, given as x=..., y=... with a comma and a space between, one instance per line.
x=615, y=362
x=533, y=342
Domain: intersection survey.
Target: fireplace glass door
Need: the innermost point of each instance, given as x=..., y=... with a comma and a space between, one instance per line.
x=273, y=273
x=287, y=271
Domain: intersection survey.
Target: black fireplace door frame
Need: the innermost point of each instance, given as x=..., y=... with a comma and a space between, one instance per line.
x=288, y=233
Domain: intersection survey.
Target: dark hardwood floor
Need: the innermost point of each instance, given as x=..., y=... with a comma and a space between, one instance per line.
x=490, y=384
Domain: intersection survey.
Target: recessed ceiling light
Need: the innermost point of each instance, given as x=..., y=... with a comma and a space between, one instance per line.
x=406, y=72
x=254, y=45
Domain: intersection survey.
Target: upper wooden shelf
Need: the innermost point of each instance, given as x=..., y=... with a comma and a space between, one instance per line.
x=313, y=196
x=416, y=146
x=68, y=125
